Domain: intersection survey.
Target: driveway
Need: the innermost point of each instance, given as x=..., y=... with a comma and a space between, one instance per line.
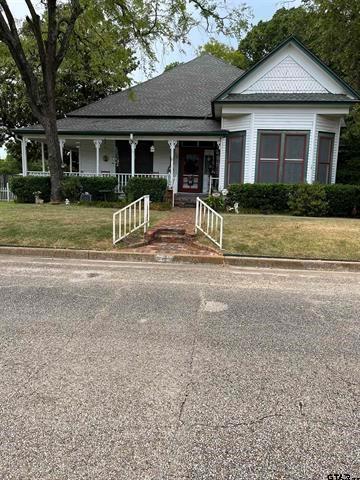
x=129, y=371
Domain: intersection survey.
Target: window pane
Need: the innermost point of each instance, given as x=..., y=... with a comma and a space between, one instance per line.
x=234, y=172
x=268, y=172
x=325, y=149
x=269, y=145
x=235, y=158
x=295, y=146
x=236, y=149
x=293, y=172
x=323, y=173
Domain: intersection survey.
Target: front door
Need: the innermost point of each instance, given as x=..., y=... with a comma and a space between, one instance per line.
x=191, y=170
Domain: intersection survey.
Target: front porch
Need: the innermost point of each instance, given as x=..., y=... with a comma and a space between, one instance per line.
x=190, y=165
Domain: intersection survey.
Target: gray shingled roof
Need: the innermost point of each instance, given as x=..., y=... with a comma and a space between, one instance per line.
x=185, y=91
x=126, y=126
x=286, y=97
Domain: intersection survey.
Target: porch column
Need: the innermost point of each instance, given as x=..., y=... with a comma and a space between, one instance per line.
x=172, y=145
x=133, y=144
x=71, y=165
x=222, y=147
x=24, y=156
x=97, y=144
x=43, y=156
x=62, y=144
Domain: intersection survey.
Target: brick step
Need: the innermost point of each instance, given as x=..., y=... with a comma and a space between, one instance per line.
x=168, y=235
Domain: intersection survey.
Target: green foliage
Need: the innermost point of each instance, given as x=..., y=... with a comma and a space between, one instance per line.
x=24, y=188
x=139, y=186
x=98, y=187
x=172, y=65
x=9, y=166
x=71, y=188
x=348, y=171
x=216, y=203
x=266, y=35
x=343, y=200
x=265, y=198
x=309, y=201
x=224, y=52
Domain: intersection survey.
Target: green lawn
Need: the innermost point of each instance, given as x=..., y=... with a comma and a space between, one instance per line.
x=59, y=226
x=285, y=236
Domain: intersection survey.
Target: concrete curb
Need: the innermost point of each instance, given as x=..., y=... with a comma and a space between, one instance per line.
x=238, y=261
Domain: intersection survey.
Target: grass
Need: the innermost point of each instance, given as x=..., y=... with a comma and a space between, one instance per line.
x=59, y=226
x=285, y=236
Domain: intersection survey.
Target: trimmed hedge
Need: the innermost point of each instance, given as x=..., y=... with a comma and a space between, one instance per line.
x=266, y=198
x=308, y=200
x=139, y=186
x=24, y=188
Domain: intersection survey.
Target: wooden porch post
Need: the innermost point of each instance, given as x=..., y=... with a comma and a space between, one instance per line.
x=62, y=142
x=97, y=144
x=71, y=165
x=133, y=144
x=24, y=156
x=222, y=147
x=172, y=145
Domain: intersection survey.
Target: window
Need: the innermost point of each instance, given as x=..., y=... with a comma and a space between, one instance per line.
x=235, y=157
x=282, y=157
x=324, y=157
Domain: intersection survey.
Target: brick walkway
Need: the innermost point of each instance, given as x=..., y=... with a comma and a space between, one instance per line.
x=180, y=219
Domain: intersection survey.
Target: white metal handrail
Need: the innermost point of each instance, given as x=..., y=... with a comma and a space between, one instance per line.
x=209, y=222
x=131, y=218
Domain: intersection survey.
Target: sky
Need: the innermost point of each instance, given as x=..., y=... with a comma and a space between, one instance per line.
x=261, y=9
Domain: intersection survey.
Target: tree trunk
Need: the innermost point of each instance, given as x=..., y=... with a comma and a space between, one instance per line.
x=54, y=154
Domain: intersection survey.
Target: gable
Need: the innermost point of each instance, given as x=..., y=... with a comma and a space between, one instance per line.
x=289, y=69
x=288, y=76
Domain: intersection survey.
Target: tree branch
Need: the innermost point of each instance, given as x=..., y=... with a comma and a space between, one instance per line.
x=65, y=40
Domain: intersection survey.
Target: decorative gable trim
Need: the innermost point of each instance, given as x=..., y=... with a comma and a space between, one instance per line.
x=299, y=44
x=288, y=76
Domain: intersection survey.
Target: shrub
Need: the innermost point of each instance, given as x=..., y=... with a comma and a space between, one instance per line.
x=24, y=188
x=344, y=200
x=266, y=198
x=105, y=204
x=216, y=203
x=71, y=188
x=139, y=186
x=98, y=187
x=309, y=201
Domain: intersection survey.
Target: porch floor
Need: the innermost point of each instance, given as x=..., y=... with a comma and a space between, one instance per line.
x=180, y=220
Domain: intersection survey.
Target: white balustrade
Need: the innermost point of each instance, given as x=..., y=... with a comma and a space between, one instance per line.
x=209, y=222
x=130, y=218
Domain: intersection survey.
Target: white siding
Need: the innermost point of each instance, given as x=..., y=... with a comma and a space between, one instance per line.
x=241, y=123
x=327, y=125
x=222, y=163
x=87, y=156
x=311, y=120
x=162, y=157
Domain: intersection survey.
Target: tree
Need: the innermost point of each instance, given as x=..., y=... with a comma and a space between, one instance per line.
x=172, y=65
x=142, y=24
x=265, y=36
x=224, y=52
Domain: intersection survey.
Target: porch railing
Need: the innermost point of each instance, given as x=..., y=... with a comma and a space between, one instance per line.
x=130, y=218
x=122, y=178
x=209, y=222
x=6, y=194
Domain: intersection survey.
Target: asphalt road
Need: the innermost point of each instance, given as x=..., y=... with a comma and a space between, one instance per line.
x=130, y=371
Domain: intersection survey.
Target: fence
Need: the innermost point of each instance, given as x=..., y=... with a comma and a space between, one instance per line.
x=209, y=222
x=5, y=193
x=131, y=218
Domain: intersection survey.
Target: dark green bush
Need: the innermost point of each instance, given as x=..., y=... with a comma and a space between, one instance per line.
x=344, y=200
x=71, y=188
x=105, y=204
x=263, y=197
x=309, y=201
x=97, y=186
x=24, y=188
x=139, y=186
x=216, y=203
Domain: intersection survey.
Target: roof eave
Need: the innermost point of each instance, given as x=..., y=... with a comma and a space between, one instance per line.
x=25, y=131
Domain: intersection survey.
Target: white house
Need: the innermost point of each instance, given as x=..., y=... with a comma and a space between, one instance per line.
x=206, y=123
